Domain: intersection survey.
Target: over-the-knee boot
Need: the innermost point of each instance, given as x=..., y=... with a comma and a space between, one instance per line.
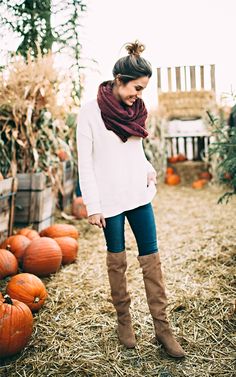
x=157, y=302
x=116, y=267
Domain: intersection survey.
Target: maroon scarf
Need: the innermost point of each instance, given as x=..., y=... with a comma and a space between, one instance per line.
x=122, y=119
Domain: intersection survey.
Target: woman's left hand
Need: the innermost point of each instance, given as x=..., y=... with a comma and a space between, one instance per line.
x=151, y=176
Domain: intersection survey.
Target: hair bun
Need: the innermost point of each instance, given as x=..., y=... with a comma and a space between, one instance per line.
x=135, y=48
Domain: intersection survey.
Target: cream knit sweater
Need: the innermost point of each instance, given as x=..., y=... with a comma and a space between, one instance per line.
x=112, y=174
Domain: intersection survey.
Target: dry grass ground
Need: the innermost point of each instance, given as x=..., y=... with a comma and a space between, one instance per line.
x=74, y=334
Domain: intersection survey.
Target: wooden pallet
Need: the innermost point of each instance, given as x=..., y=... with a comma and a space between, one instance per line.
x=189, y=92
x=8, y=189
x=35, y=201
x=66, y=192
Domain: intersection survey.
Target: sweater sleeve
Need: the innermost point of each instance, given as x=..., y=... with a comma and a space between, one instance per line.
x=150, y=168
x=87, y=177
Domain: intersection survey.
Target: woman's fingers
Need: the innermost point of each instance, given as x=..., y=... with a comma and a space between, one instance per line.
x=98, y=220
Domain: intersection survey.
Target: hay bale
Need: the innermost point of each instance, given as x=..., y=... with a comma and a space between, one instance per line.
x=188, y=170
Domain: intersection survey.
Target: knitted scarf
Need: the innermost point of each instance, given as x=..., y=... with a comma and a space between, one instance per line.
x=120, y=118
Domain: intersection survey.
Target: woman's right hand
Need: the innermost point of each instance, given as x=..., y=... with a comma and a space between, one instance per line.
x=97, y=219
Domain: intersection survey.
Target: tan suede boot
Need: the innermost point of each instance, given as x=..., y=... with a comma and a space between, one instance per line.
x=116, y=267
x=157, y=302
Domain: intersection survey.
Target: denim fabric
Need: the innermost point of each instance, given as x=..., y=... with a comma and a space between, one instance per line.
x=142, y=223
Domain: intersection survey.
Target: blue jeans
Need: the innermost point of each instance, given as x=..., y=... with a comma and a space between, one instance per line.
x=142, y=223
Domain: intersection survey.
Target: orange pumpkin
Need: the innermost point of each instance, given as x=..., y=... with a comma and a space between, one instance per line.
x=1, y=297
x=205, y=175
x=1, y=177
x=16, y=325
x=63, y=155
x=69, y=247
x=16, y=245
x=170, y=170
x=29, y=289
x=172, y=179
x=60, y=230
x=8, y=264
x=181, y=157
x=78, y=208
x=29, y=233
x=227, y=175
x=172, y=159
x=199, y=183
x=42, y=257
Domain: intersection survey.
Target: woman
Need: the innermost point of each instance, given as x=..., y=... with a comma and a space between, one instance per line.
x=117, y=181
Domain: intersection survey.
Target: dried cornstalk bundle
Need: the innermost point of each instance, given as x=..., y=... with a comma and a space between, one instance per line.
x=33, y=123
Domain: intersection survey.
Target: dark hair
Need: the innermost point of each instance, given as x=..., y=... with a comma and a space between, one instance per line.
x=132, y=66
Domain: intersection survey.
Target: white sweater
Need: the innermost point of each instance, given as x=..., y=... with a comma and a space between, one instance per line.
x=112, y=174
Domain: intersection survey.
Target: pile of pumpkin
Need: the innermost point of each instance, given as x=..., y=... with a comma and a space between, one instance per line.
x=172, y=178
x=37, y=255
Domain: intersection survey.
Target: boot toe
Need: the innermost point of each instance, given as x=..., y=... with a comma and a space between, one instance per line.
x=171, y=346
x=126, y=336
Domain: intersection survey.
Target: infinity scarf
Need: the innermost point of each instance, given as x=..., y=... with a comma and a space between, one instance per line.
x=120, y=118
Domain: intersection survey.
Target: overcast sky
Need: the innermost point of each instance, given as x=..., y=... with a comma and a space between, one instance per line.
x=182, y=32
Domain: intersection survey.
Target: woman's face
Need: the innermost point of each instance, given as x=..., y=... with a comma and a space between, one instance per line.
x=128, y=93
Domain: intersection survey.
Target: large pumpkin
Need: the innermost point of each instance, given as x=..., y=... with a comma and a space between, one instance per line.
x=69, y=247
x=29, y=289
x=79, y=209
x=16, y=245
x=29, y=233
x=60, y=230
x=42, y=257
x=172, y=179
x=16, y=325
x=8, y=264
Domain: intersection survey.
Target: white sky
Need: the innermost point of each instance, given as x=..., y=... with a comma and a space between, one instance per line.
x=175, y=32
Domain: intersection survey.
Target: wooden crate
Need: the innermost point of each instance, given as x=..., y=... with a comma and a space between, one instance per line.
x=35, y=201
x=8, y=189
x=65, y=195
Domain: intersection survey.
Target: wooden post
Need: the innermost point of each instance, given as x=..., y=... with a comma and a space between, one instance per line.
x=178, y=78
x=193, y=77
x=169, y=79
x=213, y=83
x=185, y=78
x=202, y=76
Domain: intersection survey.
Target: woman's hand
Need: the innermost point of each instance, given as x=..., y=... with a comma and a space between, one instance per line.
x=151, y=176
x=97, y=219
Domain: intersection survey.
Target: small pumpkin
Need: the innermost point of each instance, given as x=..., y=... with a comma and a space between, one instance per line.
x=169, y=170
x=181, y=157
x=29, y=289
x=16, y=245
x=172, y=159
x=69, y=247
x=79, y=209
x=227, y=175
x=63, y=155
x=172, y=179
x=60, y=230
x=42, y=257
x=199, y=183
x=16, y=325
x=205, y=175
x=8, y=264
x=1, y=297
x=29, y=233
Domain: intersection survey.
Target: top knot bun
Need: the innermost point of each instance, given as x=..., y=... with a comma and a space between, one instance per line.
x=135, y=48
